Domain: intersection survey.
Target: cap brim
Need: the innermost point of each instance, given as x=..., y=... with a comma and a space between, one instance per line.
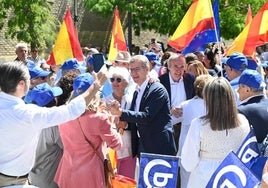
x=224, y=60
x=57, y=91
x=264, y=64
x=44, y=73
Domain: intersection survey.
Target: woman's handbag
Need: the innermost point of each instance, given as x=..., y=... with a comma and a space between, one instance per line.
x=119, y=181
x=108, y=169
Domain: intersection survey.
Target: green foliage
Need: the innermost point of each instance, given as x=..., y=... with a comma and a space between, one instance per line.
x=164, y=16
x=29, y=21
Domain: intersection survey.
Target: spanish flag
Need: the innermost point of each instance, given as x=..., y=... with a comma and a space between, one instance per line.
x=253, y=35
x=118, y=42
x=67, y=44
x=196, y=29
x=249, y=16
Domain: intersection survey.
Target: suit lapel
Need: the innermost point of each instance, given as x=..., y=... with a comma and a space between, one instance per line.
x=145, y=95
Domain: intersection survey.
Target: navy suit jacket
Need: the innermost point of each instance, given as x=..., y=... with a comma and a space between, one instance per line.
x=153, y=121
x=188, y=81
x=255, y=110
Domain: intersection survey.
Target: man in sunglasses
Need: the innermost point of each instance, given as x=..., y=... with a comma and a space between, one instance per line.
x=38, y=61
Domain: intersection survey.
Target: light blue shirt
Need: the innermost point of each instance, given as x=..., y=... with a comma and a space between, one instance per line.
x=20, y=128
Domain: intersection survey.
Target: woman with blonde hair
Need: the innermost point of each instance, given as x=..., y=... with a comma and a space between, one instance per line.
x=211, y=137
x=196, y=68
x=82, y=161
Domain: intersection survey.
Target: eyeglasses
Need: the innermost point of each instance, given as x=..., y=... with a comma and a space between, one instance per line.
x=135, y=69
x=34, y=51
x=116, y=79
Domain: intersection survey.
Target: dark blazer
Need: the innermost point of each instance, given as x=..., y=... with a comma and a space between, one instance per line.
x=153, y=121
x=255, y=110
x=188, y=81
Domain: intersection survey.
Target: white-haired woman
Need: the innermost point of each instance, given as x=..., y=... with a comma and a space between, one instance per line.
x=120, y=80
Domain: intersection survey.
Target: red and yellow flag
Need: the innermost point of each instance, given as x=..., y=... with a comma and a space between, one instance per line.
x=249, y=16
x=196, y=28
x=253, y=35
x=67, y=44
x=118, y=42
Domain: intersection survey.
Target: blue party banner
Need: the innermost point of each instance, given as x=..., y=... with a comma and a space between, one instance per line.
x=232, y=173
x=250, y=154
x=158, y=170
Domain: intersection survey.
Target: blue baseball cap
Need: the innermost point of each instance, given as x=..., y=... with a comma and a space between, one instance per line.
x=70, y=64
x=251, y=78
x=237, y=61
x=252, y=64
x=36, y=71
x=151, y=56
x=82, y=82
x=42, y=94
x=264, y=64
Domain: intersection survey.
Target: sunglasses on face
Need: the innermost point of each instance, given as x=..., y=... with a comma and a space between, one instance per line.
x=118, y=80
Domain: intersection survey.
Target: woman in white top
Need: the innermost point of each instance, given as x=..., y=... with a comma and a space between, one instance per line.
x=191, y=109
x=211, y=137
x=120, y=81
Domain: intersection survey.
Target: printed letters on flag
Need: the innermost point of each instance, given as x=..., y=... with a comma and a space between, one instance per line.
x=158, y=170
x=249, y=154
x=232, y=173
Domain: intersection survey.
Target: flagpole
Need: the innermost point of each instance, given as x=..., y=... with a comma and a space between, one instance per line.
x=130, y=30
x=217, y=37
x=75, y=14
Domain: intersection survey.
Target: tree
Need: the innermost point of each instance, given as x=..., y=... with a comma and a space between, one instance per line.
x=30, y=21
x=164, y=16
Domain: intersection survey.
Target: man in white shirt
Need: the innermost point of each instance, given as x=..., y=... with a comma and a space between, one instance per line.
x=22, y=123
x=180, y=87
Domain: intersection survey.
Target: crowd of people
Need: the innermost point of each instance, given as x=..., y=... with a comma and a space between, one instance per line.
x=59, y=121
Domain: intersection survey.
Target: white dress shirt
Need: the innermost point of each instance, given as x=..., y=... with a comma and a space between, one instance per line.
x=140, y=90
x=20, y=128
x=178, y=95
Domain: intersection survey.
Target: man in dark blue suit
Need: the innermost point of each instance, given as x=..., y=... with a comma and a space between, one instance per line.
x=254, y=104
x=180, y=87
x=149, y=115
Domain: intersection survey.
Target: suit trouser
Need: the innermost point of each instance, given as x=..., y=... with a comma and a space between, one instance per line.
x=10, y=180
x=177, y=132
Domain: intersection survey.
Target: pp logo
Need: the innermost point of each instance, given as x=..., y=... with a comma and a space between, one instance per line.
x=158, y=178
x=240, y=176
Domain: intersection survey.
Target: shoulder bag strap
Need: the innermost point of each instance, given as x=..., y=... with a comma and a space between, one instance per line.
x=97, y=153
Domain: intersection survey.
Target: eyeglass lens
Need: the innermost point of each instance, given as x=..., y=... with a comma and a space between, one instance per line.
x=116, y=79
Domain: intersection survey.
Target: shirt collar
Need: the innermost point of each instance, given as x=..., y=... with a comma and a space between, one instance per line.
x=143, y=86
x=172, y=82
x=246, y=100
x=11, y=97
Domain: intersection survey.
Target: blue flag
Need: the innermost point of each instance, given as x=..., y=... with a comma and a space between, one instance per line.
x=158, y=170
x=249, y=154
x=215, y=8
x=232, y=173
